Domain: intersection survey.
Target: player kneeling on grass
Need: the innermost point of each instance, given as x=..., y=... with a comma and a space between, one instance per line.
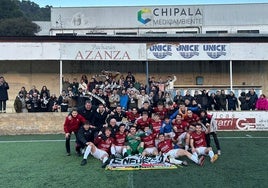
x=119, y=147
x=199, y=145
x=134, y=144
x=165, y=147
x=149, y=142
x=101, y=148
x=85, y=136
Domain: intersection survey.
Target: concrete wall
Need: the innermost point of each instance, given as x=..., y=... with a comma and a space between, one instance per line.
x=31, y=123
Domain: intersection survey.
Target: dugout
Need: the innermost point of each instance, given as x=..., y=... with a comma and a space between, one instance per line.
x=43, y=60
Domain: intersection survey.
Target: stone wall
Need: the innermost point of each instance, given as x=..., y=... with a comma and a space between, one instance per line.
x=31, y=123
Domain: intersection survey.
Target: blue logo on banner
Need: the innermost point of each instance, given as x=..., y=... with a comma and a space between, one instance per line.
x=215, y=50
x=161, y=51
x=188, y=51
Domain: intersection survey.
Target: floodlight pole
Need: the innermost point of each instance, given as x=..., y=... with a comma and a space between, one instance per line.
x=60, y=76
x=231, y=75
x=147, y=77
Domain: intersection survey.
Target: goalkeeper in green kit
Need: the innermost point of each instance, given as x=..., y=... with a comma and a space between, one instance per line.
x=134, y=144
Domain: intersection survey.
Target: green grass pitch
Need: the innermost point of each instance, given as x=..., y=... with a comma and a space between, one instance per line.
x=42, y=163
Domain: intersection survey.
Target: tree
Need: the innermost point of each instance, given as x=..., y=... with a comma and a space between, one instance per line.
x=12, y=21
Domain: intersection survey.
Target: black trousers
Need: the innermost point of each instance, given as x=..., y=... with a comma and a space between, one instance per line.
x=68, y=145
x=3, y=105
x=215, y=137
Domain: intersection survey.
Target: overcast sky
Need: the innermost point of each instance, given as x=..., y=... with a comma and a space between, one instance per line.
x=83, y=3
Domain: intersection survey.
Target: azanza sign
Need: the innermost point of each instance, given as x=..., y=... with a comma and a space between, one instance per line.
x=104, y=51
x=242, y=120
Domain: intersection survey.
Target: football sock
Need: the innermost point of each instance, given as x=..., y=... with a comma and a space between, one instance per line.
x=87, y=152
x=211, y=154
x=113, y=150
x=194, y=158
x=140, y=150
x=195, y=154
x=129, y=151
x=124, y=151
x=104, y=159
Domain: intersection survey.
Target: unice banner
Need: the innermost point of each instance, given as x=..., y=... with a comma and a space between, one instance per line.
x=241, y=121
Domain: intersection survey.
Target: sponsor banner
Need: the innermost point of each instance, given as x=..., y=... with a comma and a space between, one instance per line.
x=103, y=51
x=188, y=51
x=138, y=162
x=241, y=121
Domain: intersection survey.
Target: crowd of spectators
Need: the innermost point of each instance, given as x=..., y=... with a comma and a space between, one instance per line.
x=113, y=89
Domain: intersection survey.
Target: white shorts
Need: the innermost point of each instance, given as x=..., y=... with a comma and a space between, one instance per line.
x=118, y=149
x=182, y=137
x=172, y=153
x=98, y=154
x=150, y=150
x=201, y=150
x=171, y=134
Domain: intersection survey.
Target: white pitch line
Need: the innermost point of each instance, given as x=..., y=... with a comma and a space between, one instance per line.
x=43, y=141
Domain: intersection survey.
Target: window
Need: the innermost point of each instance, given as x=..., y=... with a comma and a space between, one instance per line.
x=216, y=32
x=248, y=31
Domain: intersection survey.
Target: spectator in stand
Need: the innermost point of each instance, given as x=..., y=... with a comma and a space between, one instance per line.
x=251, y=98
x=204, y=99
x=223, y=100
x=3, y=94
x=188, y=96
x=131, y=77
x=83, y=86
x=63, y=101
x=84, y=78
x=232, y=101
x=168, y=99
x=65, y=83
x=213, y=105
x=23, y=91
x=28, y=102
x=35, y=103
x=142, y=97
x=114, y=99
x=53, y=105
x=20, y=103
x=124, y=100
x=92, y=84
x=178, y=97
x=132, y=99
x=170, y=85
x=33, y=90
x=262, y=103
x=243, y=102
x=161, y=85
x=46, y=91
x=74, y=86
x=44, y=102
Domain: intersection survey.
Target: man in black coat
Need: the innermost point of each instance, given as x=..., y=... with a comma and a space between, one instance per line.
x=3, y=94
x=87, y=111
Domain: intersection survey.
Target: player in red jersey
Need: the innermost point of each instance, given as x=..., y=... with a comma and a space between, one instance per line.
x=132, y=115
x=119, y=146
x=143, y=121
x=180, y=128
x=199, y=145
x=149, y=142
x=160, y=110
x=191, y=118
x=165, y=147
x=72, y=124
x=101, y=148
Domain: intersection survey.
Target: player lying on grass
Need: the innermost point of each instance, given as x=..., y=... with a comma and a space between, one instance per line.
x=101, y=148
x=165, y=147
x=199, y=145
